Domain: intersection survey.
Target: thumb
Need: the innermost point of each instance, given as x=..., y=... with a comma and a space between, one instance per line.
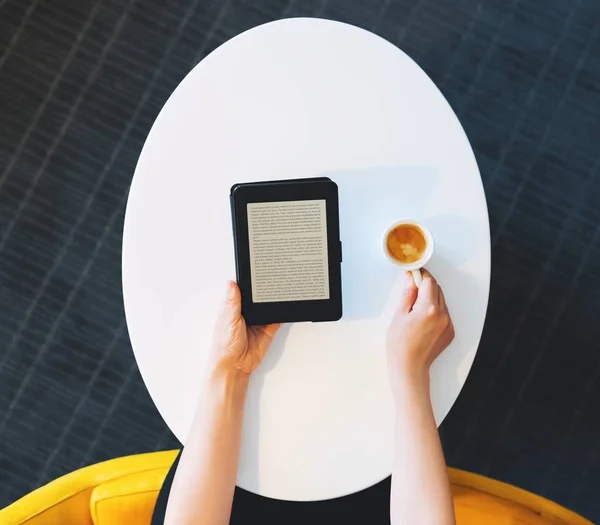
x=232, y=305
x=409, y=293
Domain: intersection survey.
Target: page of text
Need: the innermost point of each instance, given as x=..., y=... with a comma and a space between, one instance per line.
x=288, y=251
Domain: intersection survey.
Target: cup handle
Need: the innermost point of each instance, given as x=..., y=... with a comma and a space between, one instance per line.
x=417, y=277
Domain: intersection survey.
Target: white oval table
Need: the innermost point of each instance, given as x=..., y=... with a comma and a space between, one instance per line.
x=303, y=98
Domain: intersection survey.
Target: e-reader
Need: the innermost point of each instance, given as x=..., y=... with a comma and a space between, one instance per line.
x=288, y=252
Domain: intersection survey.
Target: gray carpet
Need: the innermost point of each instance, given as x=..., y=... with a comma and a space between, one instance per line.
x=81, y=82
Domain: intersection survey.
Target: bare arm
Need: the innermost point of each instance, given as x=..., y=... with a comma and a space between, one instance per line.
x=421, y=330
x=202, y=491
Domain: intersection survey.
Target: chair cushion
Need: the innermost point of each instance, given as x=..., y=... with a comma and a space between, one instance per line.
x=66, y=500
x=473, y=507
x=129, y=499
x=63, y=504
x=480, y=500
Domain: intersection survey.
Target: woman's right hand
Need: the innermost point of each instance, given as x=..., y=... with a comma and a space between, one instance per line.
x=420, y=330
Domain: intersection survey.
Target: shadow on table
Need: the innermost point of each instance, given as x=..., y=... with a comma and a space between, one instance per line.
x=445, y=227
x=250, y=456
x=464, y=298
x=370, y=200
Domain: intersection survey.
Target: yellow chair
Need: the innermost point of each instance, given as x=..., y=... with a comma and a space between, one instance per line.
x=483, y=501
x=124, y=490
x=118, y=491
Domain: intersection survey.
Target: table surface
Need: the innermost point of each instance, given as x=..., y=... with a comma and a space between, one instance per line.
x=303, y=98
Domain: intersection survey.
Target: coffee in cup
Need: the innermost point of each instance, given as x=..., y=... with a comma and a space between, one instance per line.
x=409, y=245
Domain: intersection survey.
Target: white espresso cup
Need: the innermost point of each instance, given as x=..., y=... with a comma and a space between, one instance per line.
x=413, y=267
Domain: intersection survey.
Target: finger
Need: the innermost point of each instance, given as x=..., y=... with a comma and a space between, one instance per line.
x=271, y=329
x=264, y=337
x=428, y=291
x=427, y=274
x=232, y=305
x=443, y=305
x=409, y=294
x=444, y=308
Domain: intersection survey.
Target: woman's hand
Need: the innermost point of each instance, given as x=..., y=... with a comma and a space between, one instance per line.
x=239, y=348
x=420, y=331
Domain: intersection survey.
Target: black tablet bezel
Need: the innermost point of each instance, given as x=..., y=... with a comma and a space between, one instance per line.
x=287, y=190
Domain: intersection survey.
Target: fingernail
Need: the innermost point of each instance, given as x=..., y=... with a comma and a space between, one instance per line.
x=230, y=291
x=408, y=279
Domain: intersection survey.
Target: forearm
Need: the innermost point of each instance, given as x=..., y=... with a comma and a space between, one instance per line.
x=202, y=491
x=420, y=487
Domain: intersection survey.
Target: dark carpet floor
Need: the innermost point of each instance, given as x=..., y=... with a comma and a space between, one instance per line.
x=81, y=82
